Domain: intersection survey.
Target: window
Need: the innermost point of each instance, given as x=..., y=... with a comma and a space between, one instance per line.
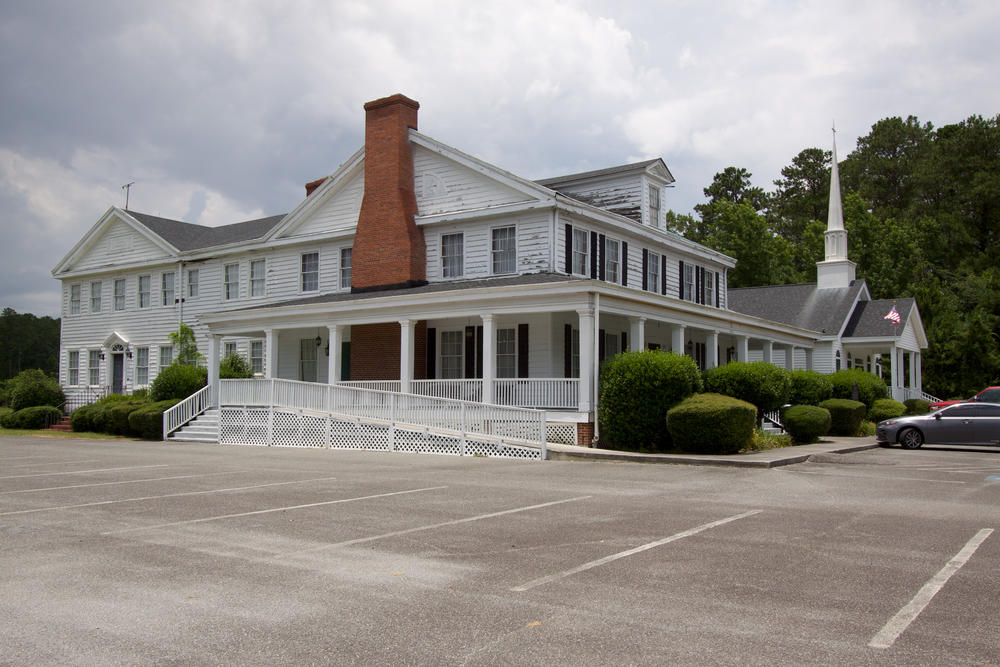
x=74, y=299
x=451, y=255
x=581, y=251
x=506, y=353
x=653, y=272
x=144, y=285
x=120, y=294
x=231, y=282
x=708, y=290
x=94, y=367
x=689, y=282
x=307, y=360
x=95, y=296
x=452, y=361
x=228, y=349
x=257, y=356
x=310, y=272
x=167, y=288
x=142, y=366
x=612, y=343
x=166, y=355
x=258, y=272
x=74, y=367
x=504, y=250
x=654, y=206
x=613, y=260
x=192, y=283
x=345, y=267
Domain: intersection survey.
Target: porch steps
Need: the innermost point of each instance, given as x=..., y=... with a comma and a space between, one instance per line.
x=62, y=425
x=203, y=428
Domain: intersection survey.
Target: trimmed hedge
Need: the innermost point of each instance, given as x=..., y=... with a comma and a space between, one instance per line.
x=147, y=421
x=37, y=416
x=917, y=406
x=806, y=423
x=233, y=366
x=870, y=386
x=845, y=415
x=809, y=388
x=4, y=413
x=177, y=381
x=712, y=424
x=637, y=389
x=116, y=419
x=764, y=385
x=33, y=387
x=885, y=408
x=82, y=419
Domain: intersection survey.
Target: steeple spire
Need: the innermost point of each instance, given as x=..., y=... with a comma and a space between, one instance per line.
x=836, y=271
x=835, y=217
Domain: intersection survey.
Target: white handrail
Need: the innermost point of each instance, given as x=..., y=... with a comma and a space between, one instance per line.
x=186, y=410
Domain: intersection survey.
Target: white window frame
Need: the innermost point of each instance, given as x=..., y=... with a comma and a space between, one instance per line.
x=230, y=281
x=73, y=368
x=119, y=295
x=257, y=356
x=708, y=288
x=346, y=258
x=613, y=261
x=192, y=283
x=167, y=291
x=654, y=205
x=96, y=288
x=452, y=355
x=94, y=368
x=143, y=296
x=168, y=357
x=258, y=277
x=309, y=274
x=228, y=348
x=75, y=295
x=580, y=251
x=653, y=278
x=503, y=249
x=453, y=255
x=689, y=282
x=507, y=352
x=142, y=366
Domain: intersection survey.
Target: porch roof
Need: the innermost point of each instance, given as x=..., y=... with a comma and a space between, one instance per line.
x=868, y=319
x=803, y=305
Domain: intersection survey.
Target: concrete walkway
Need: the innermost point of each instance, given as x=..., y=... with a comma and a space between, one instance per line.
x=770, y=458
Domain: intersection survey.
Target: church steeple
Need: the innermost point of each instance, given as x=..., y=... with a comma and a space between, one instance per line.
x=835, y=271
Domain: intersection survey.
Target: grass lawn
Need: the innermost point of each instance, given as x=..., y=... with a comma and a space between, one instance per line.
x=46, y=433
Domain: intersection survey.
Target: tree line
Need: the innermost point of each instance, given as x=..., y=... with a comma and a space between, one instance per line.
x=27, y=341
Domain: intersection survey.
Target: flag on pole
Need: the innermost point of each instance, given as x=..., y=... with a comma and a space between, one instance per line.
x=893, y=315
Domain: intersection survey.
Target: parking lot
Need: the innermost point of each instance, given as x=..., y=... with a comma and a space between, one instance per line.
x=136, y=552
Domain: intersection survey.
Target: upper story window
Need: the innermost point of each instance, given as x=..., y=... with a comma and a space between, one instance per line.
x=654, y=205
x=653, y=272
x=613, y=260
x=144, y=287
x=120, y=294
x=74, y=299
x=74, y=367
x=581, y=251
x=192, y=288
x=345, y=267
x=258, y=280
x=688, y=282
x=310, y=272
x=231, y=282
x=451, y=255
x=167, y=288
x=504, y=249
x=95, y=296
x=708, y=289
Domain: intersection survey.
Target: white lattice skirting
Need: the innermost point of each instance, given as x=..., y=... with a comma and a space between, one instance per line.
x=285, y=428
x=562, y=433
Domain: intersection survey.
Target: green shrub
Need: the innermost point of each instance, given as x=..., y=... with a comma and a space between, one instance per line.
x=870, y=386
x=116, y=416
x=140, y=394
x=82, y=419
x=37, y=416
x=5, y=414
x=809, y=387
x=33, y=387
x=177, y=381
x=147, y=421
x=637, y=389
x=866, y=429
x=4, y=392
x=885, y=408
x=233, y=366
x=765, y=385
x=845, y=415
x=712, y=424
x=806, y=423
x=917, y=406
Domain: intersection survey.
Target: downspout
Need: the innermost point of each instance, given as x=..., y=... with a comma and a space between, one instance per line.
x=597, y=361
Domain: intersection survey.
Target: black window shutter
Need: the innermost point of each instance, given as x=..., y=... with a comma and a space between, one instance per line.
x=470, y=352
x=593, y=254
x=624, y=341
x=601, y=348
x=602, y=242
x=663, y=274
x=568, y=350
x=645, y=269
x=431, y=353
x=680, y=282
x=569, y=248
x=718, y=288
x=522, y=350
x=479, y=351
x=624, y=261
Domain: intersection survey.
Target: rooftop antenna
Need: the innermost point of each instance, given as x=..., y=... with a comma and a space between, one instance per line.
x=127, y=187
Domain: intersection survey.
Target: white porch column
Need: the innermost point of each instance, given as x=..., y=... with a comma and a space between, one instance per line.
x=213, y=366
x=336, y=333
x=894, y=371
x=809, y=359
x=742, y=348
x=711, y=349
x=769, y=351
x=913, y=371
x=270, y=353
x=637, y=334
x=489, y=356
x=586, y=358
x=919, y=383
x=790, y=357
x=406, y=346
x=677, y=339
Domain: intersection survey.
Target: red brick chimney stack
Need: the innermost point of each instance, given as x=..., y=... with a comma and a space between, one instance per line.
x=389, y=249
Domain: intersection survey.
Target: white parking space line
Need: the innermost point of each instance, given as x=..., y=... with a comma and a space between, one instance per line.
x=22, y=458
x=273, y=509
x=56, y=463
x=166, y=495
x=898, y=623
x=630, y=552
x=834, y=474
x=82, y=472
x=126, y=481
x=431, y=526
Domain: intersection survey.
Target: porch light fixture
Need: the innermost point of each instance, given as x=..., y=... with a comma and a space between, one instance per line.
x=319, y=341
x=326, y=350
x=128, y=352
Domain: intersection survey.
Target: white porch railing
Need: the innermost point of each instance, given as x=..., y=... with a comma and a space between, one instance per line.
x=381, y=385
x=458, y=390
x=551, y=393
x=186, y=410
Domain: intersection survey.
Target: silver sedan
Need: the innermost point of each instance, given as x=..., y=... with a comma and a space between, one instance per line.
x=961, y=424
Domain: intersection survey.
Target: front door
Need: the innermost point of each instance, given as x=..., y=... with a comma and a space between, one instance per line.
x=117, y=373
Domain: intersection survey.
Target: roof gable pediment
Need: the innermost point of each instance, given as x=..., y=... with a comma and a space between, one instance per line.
x=116, y=239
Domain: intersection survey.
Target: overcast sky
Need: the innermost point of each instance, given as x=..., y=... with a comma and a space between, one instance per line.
x=221, y=111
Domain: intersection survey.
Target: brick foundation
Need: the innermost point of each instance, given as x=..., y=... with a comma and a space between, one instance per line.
x=375, y=351
x=585, y=434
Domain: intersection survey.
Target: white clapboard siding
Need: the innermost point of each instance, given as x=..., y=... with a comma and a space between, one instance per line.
x=617, y=193
x=340, y=210
x=443, y=185
x=532, y=233
x=118, y=240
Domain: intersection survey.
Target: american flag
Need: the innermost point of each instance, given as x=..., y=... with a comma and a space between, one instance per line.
x=892, y=315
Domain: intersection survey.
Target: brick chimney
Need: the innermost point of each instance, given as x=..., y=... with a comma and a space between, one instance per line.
x=389, y=249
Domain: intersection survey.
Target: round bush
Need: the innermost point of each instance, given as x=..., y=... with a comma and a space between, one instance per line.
x=637, y=389
x=117, y=416
x=235, y=367
x=885, y=408
x=765, y=385
x=82, y=419
x=809, y=387
x=177, y=381
x=147, y=421
x=917, y=406
x=38, y=416
x=870, y=386
x=806, y=423
x=5, y=414
x=712, y=424
x=845, y=416
x=33, y=387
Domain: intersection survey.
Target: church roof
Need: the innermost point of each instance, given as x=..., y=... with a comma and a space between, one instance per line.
x=868, y=319
x=804, y=305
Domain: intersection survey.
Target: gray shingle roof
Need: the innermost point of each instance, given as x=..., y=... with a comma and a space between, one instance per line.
x=868, y=319
x=803, y=306
x=185, y=236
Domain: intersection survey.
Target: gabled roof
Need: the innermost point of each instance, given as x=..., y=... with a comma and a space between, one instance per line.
x=805, y=306
x=868, y=319
x=186, y=236
x=645, y=165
